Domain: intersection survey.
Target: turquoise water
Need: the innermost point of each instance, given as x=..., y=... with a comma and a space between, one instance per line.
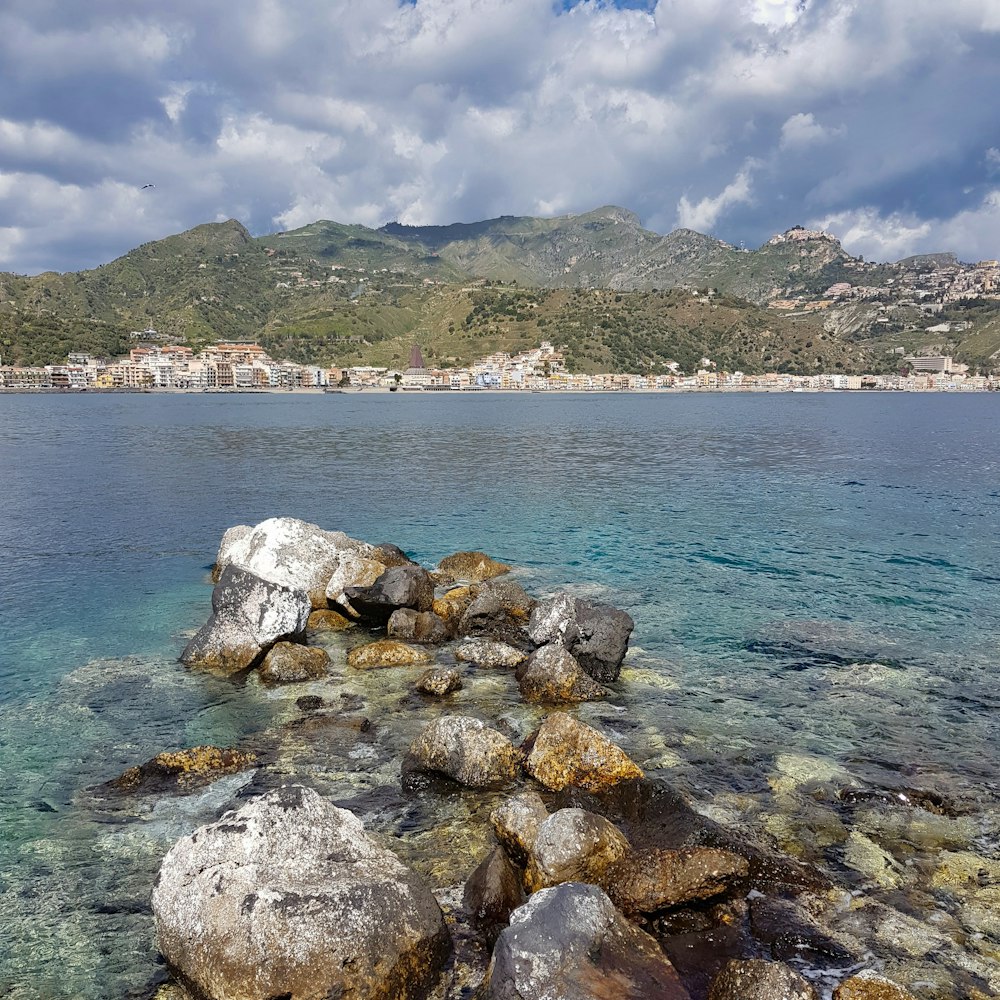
x=765, y=545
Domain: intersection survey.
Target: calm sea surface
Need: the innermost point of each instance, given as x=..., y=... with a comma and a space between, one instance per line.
x=766, y=545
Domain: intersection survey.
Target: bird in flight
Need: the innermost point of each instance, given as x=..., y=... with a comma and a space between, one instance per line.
x=143, y=188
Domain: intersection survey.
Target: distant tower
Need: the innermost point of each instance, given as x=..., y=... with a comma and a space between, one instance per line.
x=416, y=358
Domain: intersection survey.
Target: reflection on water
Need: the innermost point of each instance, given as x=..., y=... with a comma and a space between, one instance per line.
x=814, y=579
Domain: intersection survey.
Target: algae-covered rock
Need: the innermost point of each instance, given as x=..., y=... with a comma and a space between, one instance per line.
x=290, y=897
x=452, y=605
x=439, y=681
x=869, y=985
x=474, y=567
x=516, y=822
x=386, y=653
x=351, y=569
x=552, y=676
x=566, y=752
x=183, y=770
x=423, y=627
x=756, y=979
x=291, y=662
x=327, y=620
x=489, y=653
x=570, y=943
x=249, y=615
x=866, y=857
x=573, y=845
x=654, y=879
x=465, y=750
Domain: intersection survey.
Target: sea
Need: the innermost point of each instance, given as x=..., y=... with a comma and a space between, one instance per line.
x=814, y=578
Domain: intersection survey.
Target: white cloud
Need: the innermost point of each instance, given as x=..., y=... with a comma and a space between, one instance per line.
x=704, y=215
x=803, y=130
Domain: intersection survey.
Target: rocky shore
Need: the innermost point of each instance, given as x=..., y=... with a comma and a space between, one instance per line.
x=398, y=838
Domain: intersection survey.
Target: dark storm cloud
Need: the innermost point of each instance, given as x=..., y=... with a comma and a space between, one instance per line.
x=737, y=117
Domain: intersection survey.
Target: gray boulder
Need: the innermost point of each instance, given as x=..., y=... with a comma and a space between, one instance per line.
x=423, y=627
x=573, y=845
x=408, y=586
x=249, y=615
x=492, y=893
x=289, y=896
x=489, y=653
x=756, y=979
x=499, y=610
x=552, y=676
x=515, y=823
x=465, y=750
x=290, y=552
x=439, y=681
x=596, y=634
x=570, y=943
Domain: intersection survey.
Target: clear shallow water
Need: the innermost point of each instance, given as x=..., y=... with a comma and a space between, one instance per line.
x=763, y=544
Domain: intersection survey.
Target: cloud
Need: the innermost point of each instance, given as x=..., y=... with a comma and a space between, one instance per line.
x=741, y=118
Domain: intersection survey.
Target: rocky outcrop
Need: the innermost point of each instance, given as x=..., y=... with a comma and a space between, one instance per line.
x=474, y=567
x=596, y=634
x=183, y=770
x=386, y=653
x=465, y=750
x=439, y=681
x=489, y=653
x=452, y=605
x=573, y=845
x=290, y=662
x=492, y=893
x=565, y=752
x=570, y=943
x=756, y=979
x=499, y=610
x=417, y=626
x=516, y=822
x=351, y=569
x=407, y=586
x=289, y=552
x=249, y=615
x=650, y=880
x=290, y=897
x=552, y=676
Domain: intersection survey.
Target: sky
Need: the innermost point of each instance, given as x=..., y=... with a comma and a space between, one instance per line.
x=875, y=120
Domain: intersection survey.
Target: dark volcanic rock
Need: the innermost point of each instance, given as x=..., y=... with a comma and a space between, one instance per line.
x=290, y=662
x=492, y=893
x=570, y=943
x=290, y=897
x=249, y=615
x=465, y=750
x=596, y=634
x=552, y=676
x=390, y=555
x=407, y=586
x=424, y=627
x=756, y=979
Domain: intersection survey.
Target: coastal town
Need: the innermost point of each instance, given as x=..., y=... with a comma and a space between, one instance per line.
x=246, y=367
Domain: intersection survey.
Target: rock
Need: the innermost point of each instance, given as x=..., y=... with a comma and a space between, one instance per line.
x=566, y=752
x=489, y=653
x=596, y=634
x=390, y=555
x=654, y=879
x=492, y=893
x=351, y=569
x=866, y=857
x=417, y=626
x=289, y=662
x=327, y=621
x=290, y=897
x=471, y=566
x=756, y=979
x=439, y=681
x=398, y=587
x=233, y=543
x=465, y=750
x=386, y=653
x=573, y=845
x=289, y=552
x=869, y=985
x=249, y=615
x=570, y=943
x=516, y=821
x=452, y=605
x=499, y=610
x=183, y=769
x=551, y=675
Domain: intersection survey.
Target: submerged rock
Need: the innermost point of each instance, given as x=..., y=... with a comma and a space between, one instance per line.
x=249, y=615
x=475, y=567
x=516, y=822
x=756, y=979
x=552, y=676
x=289, y=896
x=570, y=943
x=289, y=552
x=465, y=750
x=183, y=770
x=596, y=634
x=492, y=893
x=328, y=621
x=439, y=681
x=423, y=627
x=407, y=586
x=489, y=653
x=386, y=653
x=655, y=879
x=290, y=662
x=573, y=845
x=566, y=752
